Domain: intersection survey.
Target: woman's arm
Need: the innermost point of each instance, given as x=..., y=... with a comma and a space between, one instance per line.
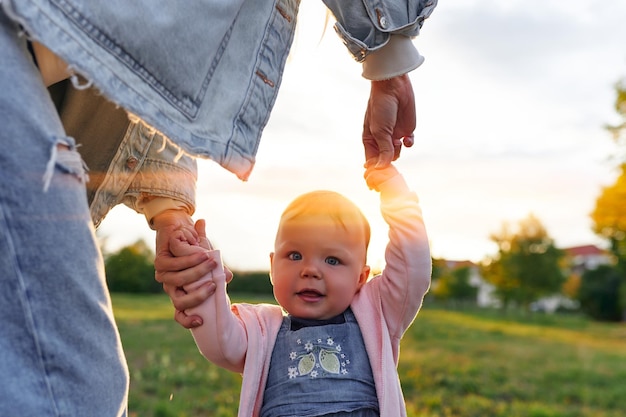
x=367, y=26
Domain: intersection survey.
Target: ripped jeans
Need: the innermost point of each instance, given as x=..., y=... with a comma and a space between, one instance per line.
x=60, y=352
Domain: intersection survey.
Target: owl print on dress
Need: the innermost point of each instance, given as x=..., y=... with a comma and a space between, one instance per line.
x=318, y=358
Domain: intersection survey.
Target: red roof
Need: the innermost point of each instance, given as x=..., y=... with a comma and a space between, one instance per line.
x=585, y=250
x=459, y=264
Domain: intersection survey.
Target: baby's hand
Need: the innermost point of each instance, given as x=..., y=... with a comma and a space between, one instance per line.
x=375, y=177
x=180, y=245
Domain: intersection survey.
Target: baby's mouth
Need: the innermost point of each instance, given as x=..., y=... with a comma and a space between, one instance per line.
x=310, y=295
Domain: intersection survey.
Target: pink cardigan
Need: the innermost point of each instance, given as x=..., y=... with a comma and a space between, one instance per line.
x=384, y=308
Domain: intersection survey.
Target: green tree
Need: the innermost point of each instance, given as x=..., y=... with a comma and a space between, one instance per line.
x=437, y=291
x=460, y=285
x=609, y=214
x=526, y=266
x=609, y=217
x=599, y=293
x=453, y=284
x=131, y=270
x=251, y=282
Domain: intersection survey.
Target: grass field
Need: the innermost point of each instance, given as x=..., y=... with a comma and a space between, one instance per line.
x=453, y=364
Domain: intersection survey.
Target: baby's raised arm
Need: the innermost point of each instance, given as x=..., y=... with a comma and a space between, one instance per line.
x=221, y=338
x=406, y=277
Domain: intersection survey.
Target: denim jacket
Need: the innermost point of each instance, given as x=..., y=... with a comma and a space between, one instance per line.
x=135, y=175
x=128, y=162
x=206, y=75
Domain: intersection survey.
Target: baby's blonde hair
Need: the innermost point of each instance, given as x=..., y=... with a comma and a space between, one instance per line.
x=329, y=205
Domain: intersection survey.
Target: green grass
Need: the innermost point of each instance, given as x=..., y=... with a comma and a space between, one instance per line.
x=452, y=364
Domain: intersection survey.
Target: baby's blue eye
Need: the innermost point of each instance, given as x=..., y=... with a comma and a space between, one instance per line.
x=331, y=260
x=295, y=256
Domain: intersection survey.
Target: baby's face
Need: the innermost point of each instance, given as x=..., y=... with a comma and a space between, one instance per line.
x=317, y=268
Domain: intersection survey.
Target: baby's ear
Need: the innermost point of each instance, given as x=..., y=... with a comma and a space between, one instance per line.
x=365, y=274
x=271, y=266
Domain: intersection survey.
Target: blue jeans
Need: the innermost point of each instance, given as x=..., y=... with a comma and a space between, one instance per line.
x=60, y=350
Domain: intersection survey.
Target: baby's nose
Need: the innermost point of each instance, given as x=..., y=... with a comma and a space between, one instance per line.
x=310, y=271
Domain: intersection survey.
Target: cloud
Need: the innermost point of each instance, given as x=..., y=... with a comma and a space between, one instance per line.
x=511, y=37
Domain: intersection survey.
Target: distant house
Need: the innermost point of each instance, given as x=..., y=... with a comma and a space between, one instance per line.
x=484, y=293
x=586, y=257
x=578, y=260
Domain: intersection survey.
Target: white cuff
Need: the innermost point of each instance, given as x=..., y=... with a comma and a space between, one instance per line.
x=397, y=57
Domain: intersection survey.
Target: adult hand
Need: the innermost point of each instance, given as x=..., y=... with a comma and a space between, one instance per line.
x=176, y=272
x=389, y=120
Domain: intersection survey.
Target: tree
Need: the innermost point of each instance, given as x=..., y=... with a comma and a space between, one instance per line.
x=251, y=282
x=458, y=282
x=526, y=266
x=453, y=284
x=571, y=286
x=609, y=216
x=599, y=293
x=131, y=270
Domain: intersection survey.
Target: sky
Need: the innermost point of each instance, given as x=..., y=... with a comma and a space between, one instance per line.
x=511, y=105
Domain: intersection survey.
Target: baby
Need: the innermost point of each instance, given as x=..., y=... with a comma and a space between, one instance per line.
x=331, y=345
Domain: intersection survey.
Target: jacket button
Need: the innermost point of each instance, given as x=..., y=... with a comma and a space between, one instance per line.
x=383, y=22
x=131, y=162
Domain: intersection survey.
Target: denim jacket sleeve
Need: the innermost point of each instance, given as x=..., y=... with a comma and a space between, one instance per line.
x=366, y=26
x=146, y=166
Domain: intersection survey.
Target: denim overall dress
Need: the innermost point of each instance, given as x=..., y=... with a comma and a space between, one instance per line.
x=320, y=368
